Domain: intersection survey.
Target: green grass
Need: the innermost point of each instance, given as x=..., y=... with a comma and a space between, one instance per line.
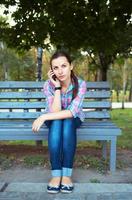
x=121, y=117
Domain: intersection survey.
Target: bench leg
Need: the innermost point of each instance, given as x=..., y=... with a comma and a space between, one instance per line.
x=104, y=149
x=113, y=155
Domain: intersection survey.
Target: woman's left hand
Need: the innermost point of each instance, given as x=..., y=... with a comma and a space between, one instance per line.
x=38, y=123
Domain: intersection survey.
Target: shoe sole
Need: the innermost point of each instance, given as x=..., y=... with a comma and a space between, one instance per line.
x=52, y=192
x=65, y=191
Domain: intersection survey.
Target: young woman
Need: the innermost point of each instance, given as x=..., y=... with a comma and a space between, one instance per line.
x=64, y=93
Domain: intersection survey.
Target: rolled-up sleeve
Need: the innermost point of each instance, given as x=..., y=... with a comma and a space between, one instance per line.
x=76, y=104
x=47, y=90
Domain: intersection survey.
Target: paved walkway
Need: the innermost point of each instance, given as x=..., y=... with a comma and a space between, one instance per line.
x=119, y=105
x=30, y=184
x=82, y=191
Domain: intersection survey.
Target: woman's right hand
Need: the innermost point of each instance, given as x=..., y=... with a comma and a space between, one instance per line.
x=55, y=82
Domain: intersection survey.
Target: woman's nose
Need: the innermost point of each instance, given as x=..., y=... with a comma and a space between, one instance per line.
x=60, y=71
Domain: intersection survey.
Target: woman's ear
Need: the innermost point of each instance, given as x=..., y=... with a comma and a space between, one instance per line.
x=71, y=66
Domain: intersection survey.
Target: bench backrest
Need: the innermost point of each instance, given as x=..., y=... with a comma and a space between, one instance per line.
x=25, y=100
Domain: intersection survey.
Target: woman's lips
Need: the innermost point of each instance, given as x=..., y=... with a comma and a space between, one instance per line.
x=61, y=76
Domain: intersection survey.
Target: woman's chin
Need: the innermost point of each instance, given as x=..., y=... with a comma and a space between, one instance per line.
x=62, y=78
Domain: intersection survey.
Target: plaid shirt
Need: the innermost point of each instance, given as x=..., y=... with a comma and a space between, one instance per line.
x=75, y=105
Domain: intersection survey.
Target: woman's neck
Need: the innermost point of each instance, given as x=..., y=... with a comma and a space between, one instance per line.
x=66, y=83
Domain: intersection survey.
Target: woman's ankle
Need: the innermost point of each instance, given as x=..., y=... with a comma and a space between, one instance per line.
x=55, y=180
x=66, y=180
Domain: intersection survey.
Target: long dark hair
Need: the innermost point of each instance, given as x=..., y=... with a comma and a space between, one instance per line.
x=73, y=76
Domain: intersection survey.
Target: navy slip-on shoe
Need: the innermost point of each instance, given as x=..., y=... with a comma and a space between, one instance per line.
x=66, y=188
x=53, y=189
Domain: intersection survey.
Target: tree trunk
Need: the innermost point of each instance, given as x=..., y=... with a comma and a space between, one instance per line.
x=39, y=65
x=5, y=71
x=102, y=74
x=124, y=83
x=104, y=62
x=117, y=94
x=130, y=92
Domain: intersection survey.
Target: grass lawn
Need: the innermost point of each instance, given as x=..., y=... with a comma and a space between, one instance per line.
x=123, y=119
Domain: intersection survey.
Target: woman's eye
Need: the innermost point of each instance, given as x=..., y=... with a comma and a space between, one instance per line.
x=63, y=65
x=54, y=68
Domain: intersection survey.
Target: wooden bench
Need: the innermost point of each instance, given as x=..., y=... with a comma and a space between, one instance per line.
x=23, y=101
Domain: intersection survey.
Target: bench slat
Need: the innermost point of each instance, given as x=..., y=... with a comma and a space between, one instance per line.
x=95, y=131
x=21, y=84
x=33, y=84
x=27, y=124
x=83, y=134
x=40, y=95
x=42, y=104
x=97, y=115
x=22, y=95
x=98, y=94
x=33, y=115
x=22, y=105
x=45, y=137
x=83, y=127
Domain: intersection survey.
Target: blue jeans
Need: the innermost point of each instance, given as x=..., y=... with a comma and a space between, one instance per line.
x=62, y=142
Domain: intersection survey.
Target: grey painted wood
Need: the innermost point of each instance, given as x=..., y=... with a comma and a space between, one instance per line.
x=42, y=104
x=85, y=123
x=22, y=105
x=104, y=149
x=83, y=134
x=33, y=115
x=98, y=85
x=113, y=155
x=98, y=94
x=97, y=115
x=40, y=95
x=22, y=95
x=20, y=84
x=97, y=104
x=33, y=84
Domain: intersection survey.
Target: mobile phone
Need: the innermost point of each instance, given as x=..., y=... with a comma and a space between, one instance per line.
x=54, y=77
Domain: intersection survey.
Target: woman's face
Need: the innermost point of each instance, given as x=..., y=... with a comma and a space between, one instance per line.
x=62, y=68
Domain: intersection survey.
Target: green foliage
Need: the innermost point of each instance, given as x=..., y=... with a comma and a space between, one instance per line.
x=4, y=25
x=99, y=27
x=17, y=67
x=118, y=70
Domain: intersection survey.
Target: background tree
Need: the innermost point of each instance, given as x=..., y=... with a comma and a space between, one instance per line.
x=16, y=67
x=119, y=76
x=102, y=28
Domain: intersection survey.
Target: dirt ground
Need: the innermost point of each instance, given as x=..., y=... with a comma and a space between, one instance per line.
x=19, y=151
x=19, y=173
